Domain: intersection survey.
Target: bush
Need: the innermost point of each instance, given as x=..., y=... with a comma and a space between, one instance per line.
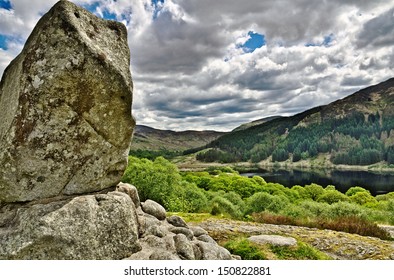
x=346, y=209
x=353, y=190
x=195, y=198
x=313, y=191
x=235, y=199
x=220, y=205
x=332, y=196
x=258, y=202
x=363, y=198
x=314, y=209
x=158, y=180
x=278, y=203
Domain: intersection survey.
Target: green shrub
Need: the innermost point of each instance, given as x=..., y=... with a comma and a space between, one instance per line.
x=258, y=202
x=385, y=197
x=259, y=180
x=353, y=190
x=245, y=249
x=278, y=203
x=346, y=209
x=332, y=196
x=363, y=198
x=313, y=191
x=196, y=200
x=220, y=205
x=157, y=180
x=235, y=199
x=313, y=209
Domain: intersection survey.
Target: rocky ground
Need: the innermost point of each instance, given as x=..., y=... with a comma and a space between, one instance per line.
x=337, y=245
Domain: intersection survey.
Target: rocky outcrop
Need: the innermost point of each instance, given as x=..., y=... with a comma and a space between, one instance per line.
x=65, y=105
x=100, y=226
x=172, y=239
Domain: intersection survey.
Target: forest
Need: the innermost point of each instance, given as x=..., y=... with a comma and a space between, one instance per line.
x=356, y=139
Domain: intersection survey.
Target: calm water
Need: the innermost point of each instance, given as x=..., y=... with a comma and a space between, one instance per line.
x=342, y=180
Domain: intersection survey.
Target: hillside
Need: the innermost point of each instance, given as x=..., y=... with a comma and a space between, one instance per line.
x=148, y=138
x=254, y=123
x=356, y=130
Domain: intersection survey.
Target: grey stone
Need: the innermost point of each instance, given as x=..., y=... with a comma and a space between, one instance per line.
x=273, y=240
x=163, y=255
x=87, y=227
x=65, y=108
x=197, y=231
x=131, y=191
x=184, y=247
x=177, y=221
x=185, y=231
x=212, y=252
x=206, y=238
x=153, y=208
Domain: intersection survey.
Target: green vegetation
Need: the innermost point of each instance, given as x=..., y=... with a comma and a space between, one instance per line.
x=354, y=139
x=301, y=252
x=225, y=193
x=245, y=249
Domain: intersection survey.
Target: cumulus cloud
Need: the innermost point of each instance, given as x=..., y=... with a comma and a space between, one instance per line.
x=191, y=72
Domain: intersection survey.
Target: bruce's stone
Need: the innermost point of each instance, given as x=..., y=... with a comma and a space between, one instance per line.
x=65, y=108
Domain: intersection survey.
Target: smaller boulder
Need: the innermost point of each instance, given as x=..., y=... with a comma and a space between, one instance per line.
x=131, y=191
x=177, y=221
x=155, y=209
x=183, y=247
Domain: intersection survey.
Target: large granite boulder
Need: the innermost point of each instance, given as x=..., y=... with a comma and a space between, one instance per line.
x=65, y=108
x=101, y=226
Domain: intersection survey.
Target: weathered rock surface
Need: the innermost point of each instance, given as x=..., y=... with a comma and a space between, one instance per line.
x=65, y=108
x=276, y=240
x=101, y=226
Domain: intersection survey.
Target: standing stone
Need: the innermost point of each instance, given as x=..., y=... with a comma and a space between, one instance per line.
x=65, y=108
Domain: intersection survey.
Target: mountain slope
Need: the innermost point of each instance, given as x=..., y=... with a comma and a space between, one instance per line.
x=148, y=138
x=356, y=130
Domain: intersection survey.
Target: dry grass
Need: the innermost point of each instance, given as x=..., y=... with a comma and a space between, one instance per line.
x=350, y=224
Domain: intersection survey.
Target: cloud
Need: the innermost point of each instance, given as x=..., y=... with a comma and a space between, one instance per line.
x=190, y=72
x=378, y=32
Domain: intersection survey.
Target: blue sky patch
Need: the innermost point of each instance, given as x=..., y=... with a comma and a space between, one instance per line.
x=325, y=43
x=3, y=42
x=256, y=41
x=5, y=4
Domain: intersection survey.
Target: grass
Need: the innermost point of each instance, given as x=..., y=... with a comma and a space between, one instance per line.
x=247, y=250
x=302, y=251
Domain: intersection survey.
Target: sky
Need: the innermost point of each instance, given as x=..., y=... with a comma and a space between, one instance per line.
x=199, y=65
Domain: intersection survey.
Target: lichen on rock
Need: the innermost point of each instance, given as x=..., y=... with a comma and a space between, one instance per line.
x=65, y=106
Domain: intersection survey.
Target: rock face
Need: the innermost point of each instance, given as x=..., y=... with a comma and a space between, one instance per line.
x=101, y=226
x=65, y=108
